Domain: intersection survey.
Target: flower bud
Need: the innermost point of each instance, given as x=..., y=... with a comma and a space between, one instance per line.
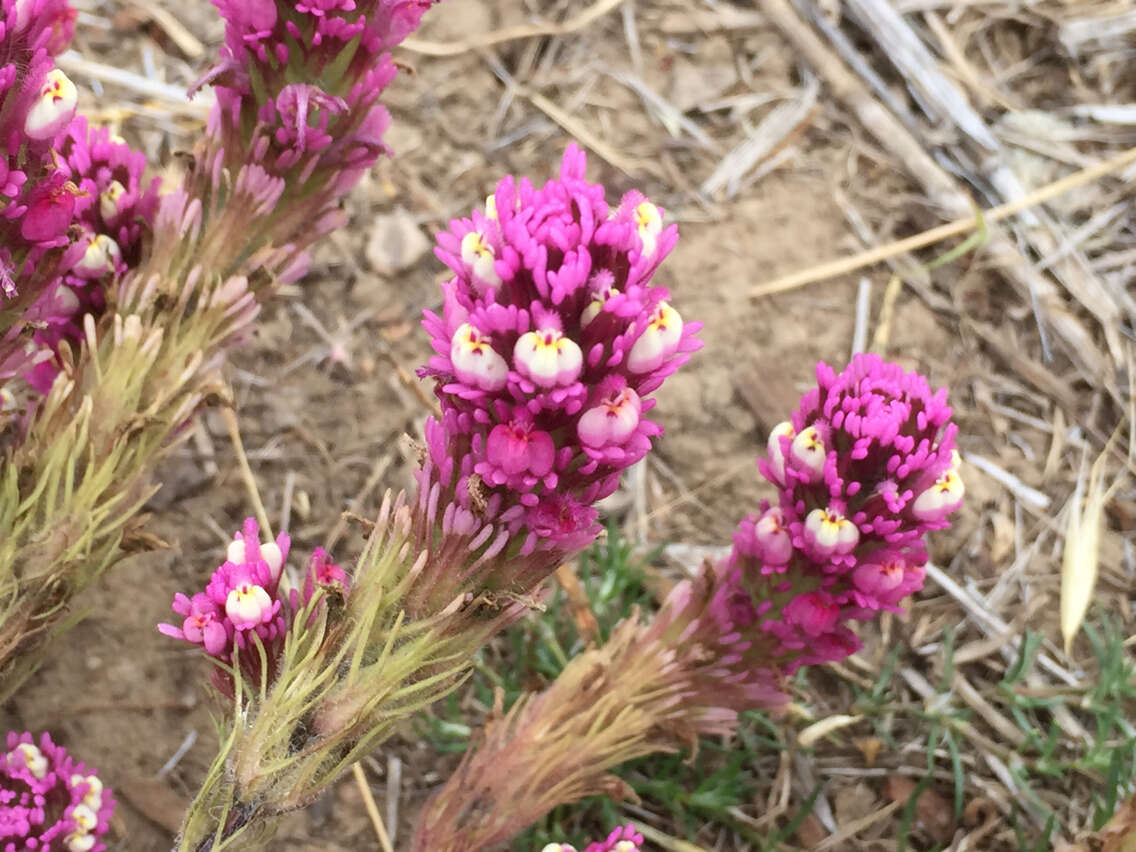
x=548, y=358
x=612, y=421
x=100, y=258
x=658, y=342
x=53, y=108
x=941, y=499
x=828, y=533
x=110, y=201
x=807, y=454
x=649, y=223
x=478, y=255
x=475, y=361
x=248, y=605
x=771, y=534
x=776, y=452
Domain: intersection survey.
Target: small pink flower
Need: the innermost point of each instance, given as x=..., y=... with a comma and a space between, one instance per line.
x=813, y=613
x=887, y=577
x=623, y=839
x=613, y=421
x=50, y=210
x=518, y=447
x=48, y=800
x=202, y=624
x=325, y=574
x=773, y=536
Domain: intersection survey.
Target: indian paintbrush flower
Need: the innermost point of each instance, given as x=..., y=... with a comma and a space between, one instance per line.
x=865, y=469
x=320, y=134
x=550, y=342
x=48, y=800
x=547, y=359
x=243, y=606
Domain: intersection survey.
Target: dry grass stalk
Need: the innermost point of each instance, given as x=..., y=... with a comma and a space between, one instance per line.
x=956, y=228
x=942, y=188
x=524, y=31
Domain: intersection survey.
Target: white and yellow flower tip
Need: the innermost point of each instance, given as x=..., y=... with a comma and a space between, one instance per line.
x=611, y=422
x=54, y=107
x=601, y=286
x=93, y=798
x=100, y=258
x=830, y=533
x=31, y=757
x=942, y=498
x=808, y=453
x=79, y=842
x=477, y=254
x=649, y=224
x=110, y=201
x=558, y=847
x=625, y=846
x=270, y=552
x=86, y=820
x=658, y=342
x=547, y=358
x=236, y=552
x=475, y=360
x=248, y=605
x=491, y=207
x=784, y=429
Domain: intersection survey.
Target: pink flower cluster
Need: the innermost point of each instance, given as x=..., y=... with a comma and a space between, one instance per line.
x=242, y=604
x=865, y=469
x=73, y=206
x=623, y=839
x=321, y=134
x=116, y=210
x=550, y=341
x=37, y=103
x=48, y=800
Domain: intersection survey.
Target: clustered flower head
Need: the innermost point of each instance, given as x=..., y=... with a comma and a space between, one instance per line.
x=48, y=800
x=623, y=839
x=322, y=133
x=73, y=205
x=37, y=103
x=117, y=211
x=243, y=605
x=865, y=469
x=550, y=341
